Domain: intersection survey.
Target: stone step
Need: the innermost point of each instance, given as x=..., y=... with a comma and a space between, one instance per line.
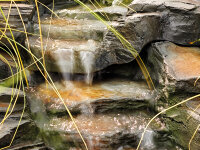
x=175, y=67
x=26, y=132
x=6, y=93
x=80, y=12
x=73, y=29
x=26, y=10
x=67, y=56
x=110, y=95
x=105, y=132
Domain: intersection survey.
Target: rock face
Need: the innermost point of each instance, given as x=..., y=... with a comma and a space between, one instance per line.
x=175, y=21
x=175, y=67
x=184, y=120
x=15, y=21
x=179, y=19
x=110, y=131
x=80, y=35
x=27, y=134
x=110, y=115
x=155, y=20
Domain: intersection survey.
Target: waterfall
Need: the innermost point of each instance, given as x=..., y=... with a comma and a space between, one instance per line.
x=65, y=61
x=87, y=60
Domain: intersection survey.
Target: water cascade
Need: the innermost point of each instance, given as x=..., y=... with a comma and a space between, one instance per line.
x=87, y=60
x=111, y=113
x=101, y=83
x=65, y=56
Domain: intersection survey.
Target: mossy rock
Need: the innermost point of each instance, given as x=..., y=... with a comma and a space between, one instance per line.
x=110, y=2
x=182, y=127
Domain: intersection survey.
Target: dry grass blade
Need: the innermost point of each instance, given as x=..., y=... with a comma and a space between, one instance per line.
x=14, y=47
x=195, y=132
x=40, y=30
x=5, y=28
x=102, y=13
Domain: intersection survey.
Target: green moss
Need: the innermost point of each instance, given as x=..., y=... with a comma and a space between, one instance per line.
x=182, y=128
x=109, y=2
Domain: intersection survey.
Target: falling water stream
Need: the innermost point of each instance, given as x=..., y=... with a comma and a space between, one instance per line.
x=100, y=130
x=111, y=113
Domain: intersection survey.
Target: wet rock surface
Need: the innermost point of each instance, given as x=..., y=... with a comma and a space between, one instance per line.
x=177, y=22
x=69, y=55
x=79, y=26
x=111, y=113
x=107, y=13
x=175, y=67
x=104, y=131
x=100, y=97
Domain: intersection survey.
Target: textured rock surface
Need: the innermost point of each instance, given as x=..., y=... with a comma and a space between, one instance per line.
x=77, y=25
x=110, y=131
x=179, y=19
x=139, y=29
x=66, y=55
x=85, y=45
x=107, y=13
x=182, y=121
x=27, y=131
x=175, y=67
x=175, y=21
x=100, y=97
x=4, y=67
x=156, y=20
x=15, y=21
x=30, y=146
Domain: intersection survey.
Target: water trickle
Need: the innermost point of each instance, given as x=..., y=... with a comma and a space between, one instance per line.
x=87, y=60
x=65, y=61
x=148, y=141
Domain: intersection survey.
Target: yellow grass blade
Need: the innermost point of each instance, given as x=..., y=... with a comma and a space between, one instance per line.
x=16, y=48
x=195, y=132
